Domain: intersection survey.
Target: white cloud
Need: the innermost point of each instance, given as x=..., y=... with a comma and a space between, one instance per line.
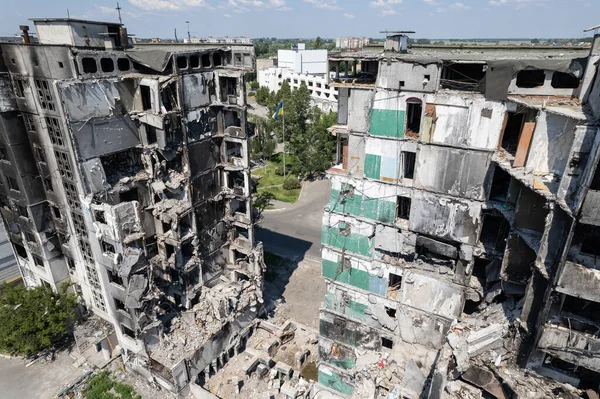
x=168, y=4
x=518, y=3
x=349, y=16
x=387, y=12
x=441, y=9
x=431, y=2
x=227, y=15
x=156, y=4
x=461, y=6
x=284, y=9
x=326, y=4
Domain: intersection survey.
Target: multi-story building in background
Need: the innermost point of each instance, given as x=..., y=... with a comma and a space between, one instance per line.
x=126, y=173
x=351, y=42
x=299, y=66
x=463, y=228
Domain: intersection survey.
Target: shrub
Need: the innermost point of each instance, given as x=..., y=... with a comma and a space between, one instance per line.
x=279, y=171
x=291, y=183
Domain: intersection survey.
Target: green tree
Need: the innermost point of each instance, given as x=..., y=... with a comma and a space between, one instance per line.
x=34, y=319
x=262, y=145
x=254, y=85
x=535, y=41
x=262, y=95
x=262, y=201
x=318, y=42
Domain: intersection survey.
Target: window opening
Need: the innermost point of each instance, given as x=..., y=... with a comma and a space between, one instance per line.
x=145, y=92
x=123, y=64
x=531, y=78
x=107, y=64
x=561, y=80
x=89, y=65
x=409, y=160
x=414, y=109
x=403, y=207
x=194, y=61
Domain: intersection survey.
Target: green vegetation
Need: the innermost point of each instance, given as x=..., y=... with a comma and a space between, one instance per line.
x=267, y=47
x=291, y=183
x=103, y=386
x=263, y=201
x=310, y=148
x=35, y=319
x=273, y=183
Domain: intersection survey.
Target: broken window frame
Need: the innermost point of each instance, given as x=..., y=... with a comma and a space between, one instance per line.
x=409, y=160
x=414, y=115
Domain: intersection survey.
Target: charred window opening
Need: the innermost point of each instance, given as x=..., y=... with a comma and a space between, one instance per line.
x=588, y=379
x=170, y=250
x=146, y=94
x=518, y=261
x=469, y=77
x=194, y=61
x=119, y=305
x=236, y=182
x=494, y=231
x=580, y=315
x=12, y=183
x=22, y=211
x=394, y=285
x=532, y=211
x=99, y=216
x=20, y=250
x=228, y=90
x=206, y=60
x=387, y=343
x=166, y=227
x=512, y=131
x=40, y=154
x=89, y=65
x=70, y=263
x=182, y=62
x=107, y=64
x=187, y=250
x=115, y=278
x=30, y=123
x=150, y=134
x=54, y=131
x=233, y=150
x=587, y=237
x=3, y=153
x=56, y=212
x=561, y=80
x=237, y=60
x=185, y=225
x=217, y=60
x=39, y=262
x=531, y=78
x=127, y=331
x=414, y=109
x=125, y=163
x=129, y=195
x=30, y=237
x=408, y=161
x=107, y=248
x=391, y=312
x=436, y=252
x=500, y=185
x=123, y=64
x=48, y=184
x=60, y=64
x=595, y=185
x=20, y=88
x=403, y=207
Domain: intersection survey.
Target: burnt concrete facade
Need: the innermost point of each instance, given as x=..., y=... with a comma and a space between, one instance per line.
x=126, y=172
x=459, y=233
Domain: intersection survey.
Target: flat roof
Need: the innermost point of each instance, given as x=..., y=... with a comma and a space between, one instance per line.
x=74, y=20
x=472, y=54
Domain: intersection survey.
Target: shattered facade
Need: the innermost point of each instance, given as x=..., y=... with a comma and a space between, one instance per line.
x=126, y=172
x=460, y=244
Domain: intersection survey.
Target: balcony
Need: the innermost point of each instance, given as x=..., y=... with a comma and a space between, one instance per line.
x=571, y=346
x=580, y=281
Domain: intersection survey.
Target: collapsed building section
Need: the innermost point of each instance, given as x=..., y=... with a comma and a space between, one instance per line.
x=461, y=235
x=126, y=171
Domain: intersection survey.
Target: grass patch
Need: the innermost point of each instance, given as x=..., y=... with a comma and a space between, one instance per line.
x=269, y=178
x=103, y=386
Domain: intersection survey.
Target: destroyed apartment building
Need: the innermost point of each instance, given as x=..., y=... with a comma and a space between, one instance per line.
x=461, y=243
x=126, y=172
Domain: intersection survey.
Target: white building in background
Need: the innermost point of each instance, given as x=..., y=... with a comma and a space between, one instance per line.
x=300, y=65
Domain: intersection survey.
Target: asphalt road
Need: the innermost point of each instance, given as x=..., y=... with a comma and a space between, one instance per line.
x=295, y=232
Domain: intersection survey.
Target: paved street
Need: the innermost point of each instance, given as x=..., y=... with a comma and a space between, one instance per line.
x=295, y=231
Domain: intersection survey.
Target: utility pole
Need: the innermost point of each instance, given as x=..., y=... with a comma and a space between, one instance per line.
x=176, y=41
x=119, y=11
x=284, y=174
x=188, y=26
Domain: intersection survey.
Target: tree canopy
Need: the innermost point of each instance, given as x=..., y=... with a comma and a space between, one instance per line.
x=309, y=146
x=34, y=319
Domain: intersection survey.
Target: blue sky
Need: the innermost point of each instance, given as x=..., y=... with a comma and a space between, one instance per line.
x=325, y=18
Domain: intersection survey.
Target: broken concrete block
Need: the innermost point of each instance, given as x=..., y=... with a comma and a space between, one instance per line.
x=289, y=391
x=485, y=339
x=485, y=380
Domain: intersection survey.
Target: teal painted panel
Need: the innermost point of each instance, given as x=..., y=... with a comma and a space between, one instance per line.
x=353, y=243
x=387, y=123
x=373, y=166
x=334, y=381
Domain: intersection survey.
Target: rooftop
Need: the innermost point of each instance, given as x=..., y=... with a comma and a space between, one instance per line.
x=86, y=21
